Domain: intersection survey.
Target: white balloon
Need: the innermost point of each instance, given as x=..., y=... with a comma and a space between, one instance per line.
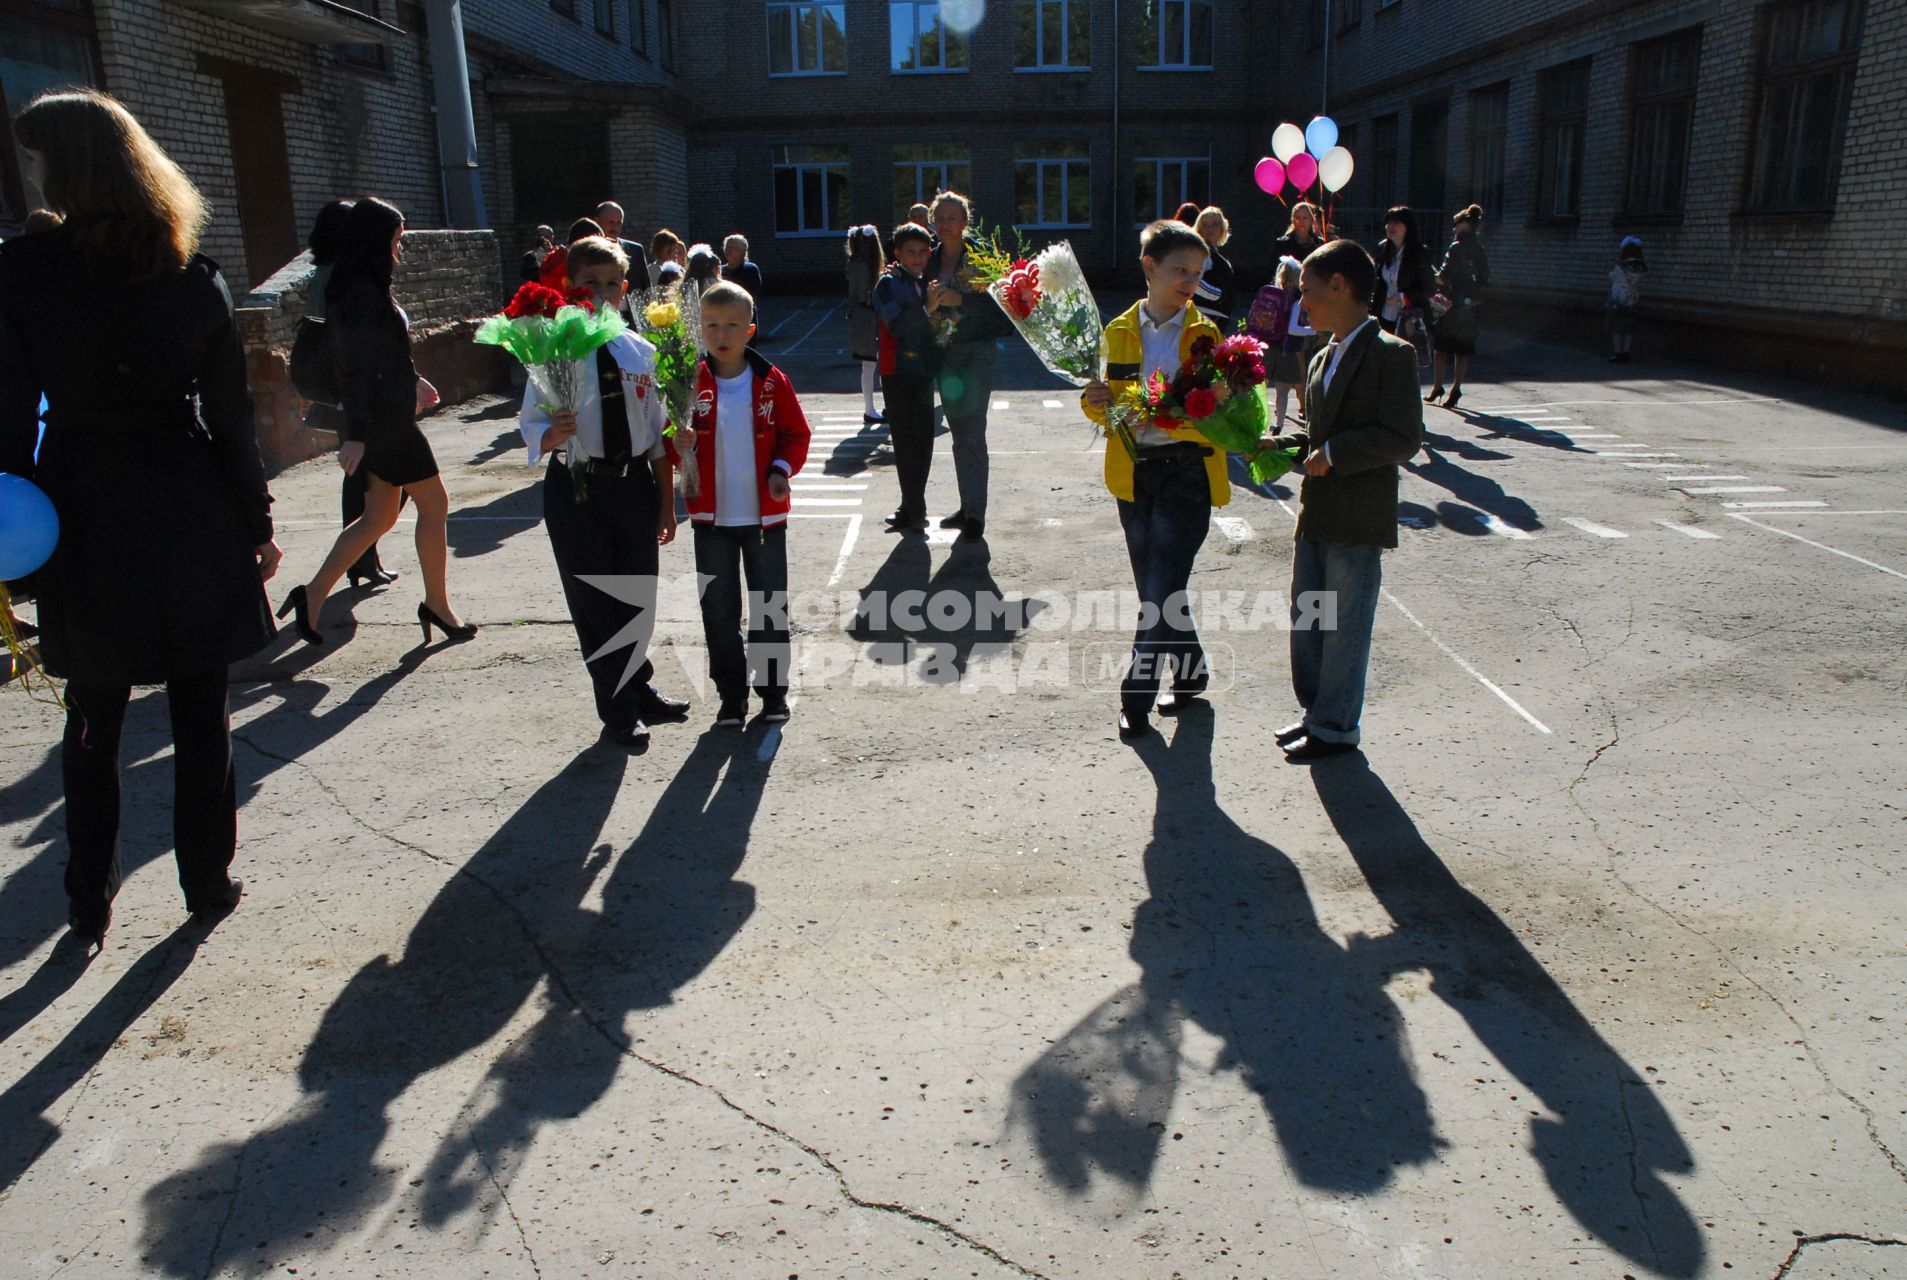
x=963, y=16
x=1335, y=168
x=1287, y=140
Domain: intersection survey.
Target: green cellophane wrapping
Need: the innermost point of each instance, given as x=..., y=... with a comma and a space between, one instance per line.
x=1238, y=426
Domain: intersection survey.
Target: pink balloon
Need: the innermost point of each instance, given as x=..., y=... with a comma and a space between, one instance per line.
x=1270, y=175
x=1302, y=170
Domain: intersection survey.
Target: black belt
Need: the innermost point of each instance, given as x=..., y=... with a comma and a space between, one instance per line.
x=1177, y=450
x=610, y=467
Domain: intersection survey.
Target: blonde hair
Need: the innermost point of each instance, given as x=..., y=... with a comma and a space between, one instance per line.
x=1290, y=272
x=1313, y=211
x=127, y=198
x=594, y=251
x=1211, y=214
x=952, y=197
x=726, y=293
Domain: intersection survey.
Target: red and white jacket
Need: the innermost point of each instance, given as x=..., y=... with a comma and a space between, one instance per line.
x=781, y=438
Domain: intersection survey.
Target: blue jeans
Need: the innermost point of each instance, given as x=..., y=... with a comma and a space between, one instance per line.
x=1329, y=662
x=725, y=556
x=1165, y=524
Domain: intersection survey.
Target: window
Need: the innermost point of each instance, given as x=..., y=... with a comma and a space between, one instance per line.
x=807, y=39
x=1563, y=115
x=1661, y=111
x=37, y=58
x=1489, y=145
x=1349, y=14
x=1053, y=35
x=924, y=169
x=1384, y=161
x=811, y=191
x=1052, y=185
x=639, y=26
x=605, y=15
x=920, y=39
x=1807, y=72
x=1176, y=34
x=1163, y=183
x=665, y=34
x=362, y=55
x=565, y=7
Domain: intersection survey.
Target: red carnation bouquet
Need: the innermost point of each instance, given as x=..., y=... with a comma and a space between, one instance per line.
x=1219, y=391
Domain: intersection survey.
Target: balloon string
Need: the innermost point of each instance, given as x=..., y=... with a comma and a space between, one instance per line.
x=23, y=657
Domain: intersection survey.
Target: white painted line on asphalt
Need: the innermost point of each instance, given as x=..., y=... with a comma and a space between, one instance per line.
x=1503, y=530
x=1610, y=453
x=827, y=502
x=1848, y=555
x=791, y=315
x=1655, y=466
x=1051, y=404
x=1635, y=402
x=847, y=548
x=796, y=345
x=1812, y=514
x=1688, y=529
x=1673, y=479
x=1001, y=406
x=1050, y=522
x=1233, y=527
x=1786, y=502
x=1452, y=654
x=1590, y=435
x=806, y=486
x=1734, y=488
x=1590, y=526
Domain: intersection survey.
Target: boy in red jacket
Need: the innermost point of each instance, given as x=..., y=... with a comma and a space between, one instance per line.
x=750, y=437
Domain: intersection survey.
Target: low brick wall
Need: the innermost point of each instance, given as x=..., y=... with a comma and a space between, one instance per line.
x=447, y=282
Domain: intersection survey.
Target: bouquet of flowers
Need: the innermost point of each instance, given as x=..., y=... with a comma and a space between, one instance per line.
x=1219, y=391
x=1049, y=302
x=548, y=331
x=670, y=320
x=984, y=261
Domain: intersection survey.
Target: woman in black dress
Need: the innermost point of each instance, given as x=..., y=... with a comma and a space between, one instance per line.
x=1464, y=274
x=382, y=397
x=152, y=463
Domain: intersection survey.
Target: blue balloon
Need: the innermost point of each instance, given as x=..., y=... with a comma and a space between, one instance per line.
x=1320, y=135
x=28, y=527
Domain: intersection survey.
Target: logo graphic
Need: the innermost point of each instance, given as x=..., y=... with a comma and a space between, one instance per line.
x=704, y=403
x=646, y=594
x=766, y=412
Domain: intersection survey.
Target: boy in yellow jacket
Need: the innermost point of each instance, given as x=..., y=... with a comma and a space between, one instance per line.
x=1167, y=491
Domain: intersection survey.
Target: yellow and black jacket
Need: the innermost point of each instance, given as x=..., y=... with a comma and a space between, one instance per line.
x=1125, y=354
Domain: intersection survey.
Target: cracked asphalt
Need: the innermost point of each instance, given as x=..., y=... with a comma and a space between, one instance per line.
x=1589, y=965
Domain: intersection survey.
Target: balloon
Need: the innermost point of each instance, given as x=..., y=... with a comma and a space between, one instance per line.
x=1287, y=140
x=28, y=527
x=1320, y=135
x=1334, y=168
x=1270, y=175
x=1302, y=170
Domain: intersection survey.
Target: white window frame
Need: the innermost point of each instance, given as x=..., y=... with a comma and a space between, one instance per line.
x=793, y=13
x=940, y=167
x=1045, y=165
x=1185, y=50
x=801, y=168
x=912, y=8
x=1041, y=66
x=1160, y=164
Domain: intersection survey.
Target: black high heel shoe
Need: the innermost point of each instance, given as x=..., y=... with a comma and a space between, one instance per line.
x=427, y=618
x=1436, y=394
x=297, y=604
x=92, y=934
x=375, y=574
x=1456, y=394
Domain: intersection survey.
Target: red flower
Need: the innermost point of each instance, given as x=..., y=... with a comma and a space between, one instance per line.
x=534, y=300
x=1022, y=291
x=1200, y=403
x=580, y=297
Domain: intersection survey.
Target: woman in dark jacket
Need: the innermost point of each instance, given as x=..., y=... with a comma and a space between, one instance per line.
x=152, y=463
x=965, y=376
x=382, y=397
x=1301, y=238
x=1464, y=274
x=1217, y=295
x=1405, y=280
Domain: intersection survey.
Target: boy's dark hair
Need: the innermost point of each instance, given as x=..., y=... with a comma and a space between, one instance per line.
x=594, y=251
x=911, y=231
x=724, y=293
x=1166, y=237
x=1345, y=258
x=583, y=228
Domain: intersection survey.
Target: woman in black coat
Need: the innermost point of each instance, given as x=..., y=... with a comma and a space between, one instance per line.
x=1465, y=272
x=1301, y=238
x=1405, y=278
x=1218, y=286
x=152, y=463
x=382, y=397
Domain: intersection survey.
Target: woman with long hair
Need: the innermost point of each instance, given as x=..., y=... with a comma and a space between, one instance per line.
x=152, y=464
x=1304, y=234
x=865, y=267
x=1217, y=287
x=1464, y=274
x=383, y=395
x=1405, y=281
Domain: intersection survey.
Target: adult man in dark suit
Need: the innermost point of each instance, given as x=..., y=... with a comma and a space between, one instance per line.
x=609, y=216
x=1364, y=420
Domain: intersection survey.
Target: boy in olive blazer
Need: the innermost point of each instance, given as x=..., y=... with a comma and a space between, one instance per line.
x=1365, y=419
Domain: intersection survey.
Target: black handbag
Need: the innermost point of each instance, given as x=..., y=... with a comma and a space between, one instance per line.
x=314, y=363
x=1459, y=324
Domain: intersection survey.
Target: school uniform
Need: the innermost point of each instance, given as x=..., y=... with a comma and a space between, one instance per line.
x=909, y=361
x=603, y=517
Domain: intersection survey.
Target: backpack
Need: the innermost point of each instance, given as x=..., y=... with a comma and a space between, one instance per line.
x=313, y=363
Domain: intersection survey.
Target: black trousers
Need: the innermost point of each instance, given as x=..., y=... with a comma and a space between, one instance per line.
x=204, y=791
x=910, y=425
x=724, y=557
x=611, y=531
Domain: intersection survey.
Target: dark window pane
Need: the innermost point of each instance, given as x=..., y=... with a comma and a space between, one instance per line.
x=787, y=200
x=1026, y=34
x=1201, y=52
x=1079, y=193
x=1172, y=33
x=837, y=201
x=1149, y=54
x=1026, y=191
x=1145, y=191
x=807, y=40
x=781, y=49
x=834, y=38
x=1079, y=41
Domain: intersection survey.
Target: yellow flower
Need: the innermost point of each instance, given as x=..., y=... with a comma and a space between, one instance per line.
x=663, y=315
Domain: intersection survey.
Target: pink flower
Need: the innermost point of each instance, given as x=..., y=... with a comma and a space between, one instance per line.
x=1022, y=292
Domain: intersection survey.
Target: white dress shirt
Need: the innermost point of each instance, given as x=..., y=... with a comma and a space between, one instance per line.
x=641, y=402
x=1158, y=353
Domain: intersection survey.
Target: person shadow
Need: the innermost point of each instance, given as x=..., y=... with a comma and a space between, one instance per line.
x=855, y=455
x=29, y=1134
x=511, y=920
x=960, y=608
x=1229, y=942
x=478, y=530
x=1476, y=493
x=1607, y=1140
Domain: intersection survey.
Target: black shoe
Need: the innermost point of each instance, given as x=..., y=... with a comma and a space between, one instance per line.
x=873, y=419
x=635, y=737
x=91, y=932
x=1132, y=728
x=958, y=520
x=1456, y=394
x=296, y=604
x=427, y=618
x=900, y=523
x=1310, y=749
x=1436, y=394
x=774, y=708
x=1289, y=734
x=654, y=706
x=733, y=714
x=222, y=905
x=377, y=575
x=973, y=530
